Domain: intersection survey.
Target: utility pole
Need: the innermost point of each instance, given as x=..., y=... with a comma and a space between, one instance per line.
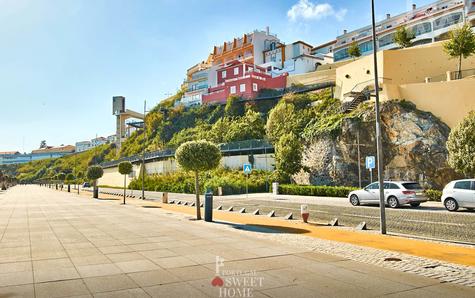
x=379, y=143
x=143, y=150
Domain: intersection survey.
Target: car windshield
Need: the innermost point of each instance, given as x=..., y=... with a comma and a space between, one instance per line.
x=412, y=185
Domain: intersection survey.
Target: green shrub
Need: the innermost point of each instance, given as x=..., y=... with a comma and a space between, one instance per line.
x=433, y=194
x=311, y=190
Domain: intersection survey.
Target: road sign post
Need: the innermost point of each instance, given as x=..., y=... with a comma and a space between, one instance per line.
x=370, y=163
x=247, y=169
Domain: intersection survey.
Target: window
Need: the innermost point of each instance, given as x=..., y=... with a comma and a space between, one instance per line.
x=223, y=74
x=341, y=54
x=420, y=29
x=390, y=186
x=412, y=186
x=366, y=47
x=236, y=71
x=448, y=20
x=463, y=185
x=242, y=88
x=374, y=185
x=254, y=87
x=386, y=40
x=232, y=90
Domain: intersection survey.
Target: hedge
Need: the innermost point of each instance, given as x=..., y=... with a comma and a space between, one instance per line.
x=319, y=191
x=433, y=194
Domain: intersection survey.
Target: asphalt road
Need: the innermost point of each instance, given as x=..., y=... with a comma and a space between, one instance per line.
x=431, y=220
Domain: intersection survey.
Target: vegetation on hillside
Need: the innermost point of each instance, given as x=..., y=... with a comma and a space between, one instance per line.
x=48, y=168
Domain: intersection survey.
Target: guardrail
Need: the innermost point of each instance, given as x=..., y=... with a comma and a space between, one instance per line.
x=226, y=149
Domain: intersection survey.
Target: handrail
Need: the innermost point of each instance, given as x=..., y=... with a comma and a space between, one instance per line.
x=254, y=144
x=366, y=82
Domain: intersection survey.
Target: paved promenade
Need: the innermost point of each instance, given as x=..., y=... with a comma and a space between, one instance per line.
x=55, y=244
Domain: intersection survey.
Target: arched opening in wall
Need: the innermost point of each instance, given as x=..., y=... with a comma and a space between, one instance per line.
x=443, y=36
x=317, y=65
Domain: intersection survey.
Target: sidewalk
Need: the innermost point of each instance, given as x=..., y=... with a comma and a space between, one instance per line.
x=57, y=244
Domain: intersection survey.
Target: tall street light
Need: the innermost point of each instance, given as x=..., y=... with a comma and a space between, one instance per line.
x=143, y=150
x=379, y=143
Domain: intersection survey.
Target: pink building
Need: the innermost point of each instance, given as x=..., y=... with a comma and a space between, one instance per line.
x=243, y=79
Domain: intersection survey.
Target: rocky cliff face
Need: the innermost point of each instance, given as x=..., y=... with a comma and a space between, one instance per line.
x=413, y=143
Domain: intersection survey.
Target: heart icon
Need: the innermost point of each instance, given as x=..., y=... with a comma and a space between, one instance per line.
x=217, y=282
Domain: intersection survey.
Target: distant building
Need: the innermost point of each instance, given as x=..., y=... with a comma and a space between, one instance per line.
x=243, y=79
x=83, y=146
x=43, y=153
x=98, y=141
x=429, y=24
x=248, y=48
x=295, y=58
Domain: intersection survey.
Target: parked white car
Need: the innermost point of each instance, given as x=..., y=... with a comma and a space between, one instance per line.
x=396, y=193
x=459, y=193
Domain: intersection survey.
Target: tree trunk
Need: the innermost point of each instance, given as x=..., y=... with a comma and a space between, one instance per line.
x=69, y=187
x=95, y=190
x=125, y=177
x=197, y=191
x=78, y=188
x=460, y=68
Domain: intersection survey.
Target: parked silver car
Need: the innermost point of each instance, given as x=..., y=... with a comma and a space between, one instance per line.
x=459, y=193
x=396, y=193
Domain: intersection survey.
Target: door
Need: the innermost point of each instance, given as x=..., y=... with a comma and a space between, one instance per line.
x=471, y=199
x=371, y=193
x=463, y=193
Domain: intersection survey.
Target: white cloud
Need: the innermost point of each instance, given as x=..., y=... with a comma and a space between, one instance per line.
x=307, y=10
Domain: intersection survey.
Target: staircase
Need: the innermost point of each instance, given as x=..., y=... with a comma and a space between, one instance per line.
x=358, y=97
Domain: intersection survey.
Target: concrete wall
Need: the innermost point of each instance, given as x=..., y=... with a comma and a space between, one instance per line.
x=396, y=67
x=112, y=177
x=450, y=101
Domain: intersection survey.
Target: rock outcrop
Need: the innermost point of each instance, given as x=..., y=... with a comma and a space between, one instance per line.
x=413, y=144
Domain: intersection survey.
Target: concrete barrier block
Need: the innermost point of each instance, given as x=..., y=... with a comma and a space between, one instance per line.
x=334, y=222
x=361, y=226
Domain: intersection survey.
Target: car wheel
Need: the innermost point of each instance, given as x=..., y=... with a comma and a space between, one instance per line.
x=393, y=202
x=415, y=204
x=451, y=205
x=354, y=200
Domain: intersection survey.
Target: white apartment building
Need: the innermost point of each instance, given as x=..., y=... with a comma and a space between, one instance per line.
x=429, y=23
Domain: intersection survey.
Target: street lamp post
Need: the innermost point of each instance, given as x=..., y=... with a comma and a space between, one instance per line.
x=379, y=143
x=143, y=150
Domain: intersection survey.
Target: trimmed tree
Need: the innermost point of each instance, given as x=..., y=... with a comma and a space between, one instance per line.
x=404, y=37
x=94, y=173
x=288, y=156
x=461, y=146
x=61, y=176
x=354, y=50
x=198, y=156
x=460, y=45
x=125, y=168
x=69, y=179
x=79, y=177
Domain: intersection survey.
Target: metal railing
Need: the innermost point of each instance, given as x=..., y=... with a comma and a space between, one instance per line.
x=247, y=145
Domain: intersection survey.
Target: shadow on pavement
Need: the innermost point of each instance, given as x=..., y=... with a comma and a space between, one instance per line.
x=264, y=228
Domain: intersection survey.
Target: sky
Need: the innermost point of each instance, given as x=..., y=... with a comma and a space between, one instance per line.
x=61, y=61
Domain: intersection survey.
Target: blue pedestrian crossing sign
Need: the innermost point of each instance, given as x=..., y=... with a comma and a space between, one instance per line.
x=247, y=168
x=370, y=162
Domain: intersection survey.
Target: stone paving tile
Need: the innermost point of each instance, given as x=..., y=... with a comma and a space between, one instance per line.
x=130, y=293
x=153, y=278
x=192, y=272
x=65, y=288
x=54, y=269
x=25, y=291
x=175, y=290
x=17, y=273
x=136, y=266
x=174, y=262
x=110, y=283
